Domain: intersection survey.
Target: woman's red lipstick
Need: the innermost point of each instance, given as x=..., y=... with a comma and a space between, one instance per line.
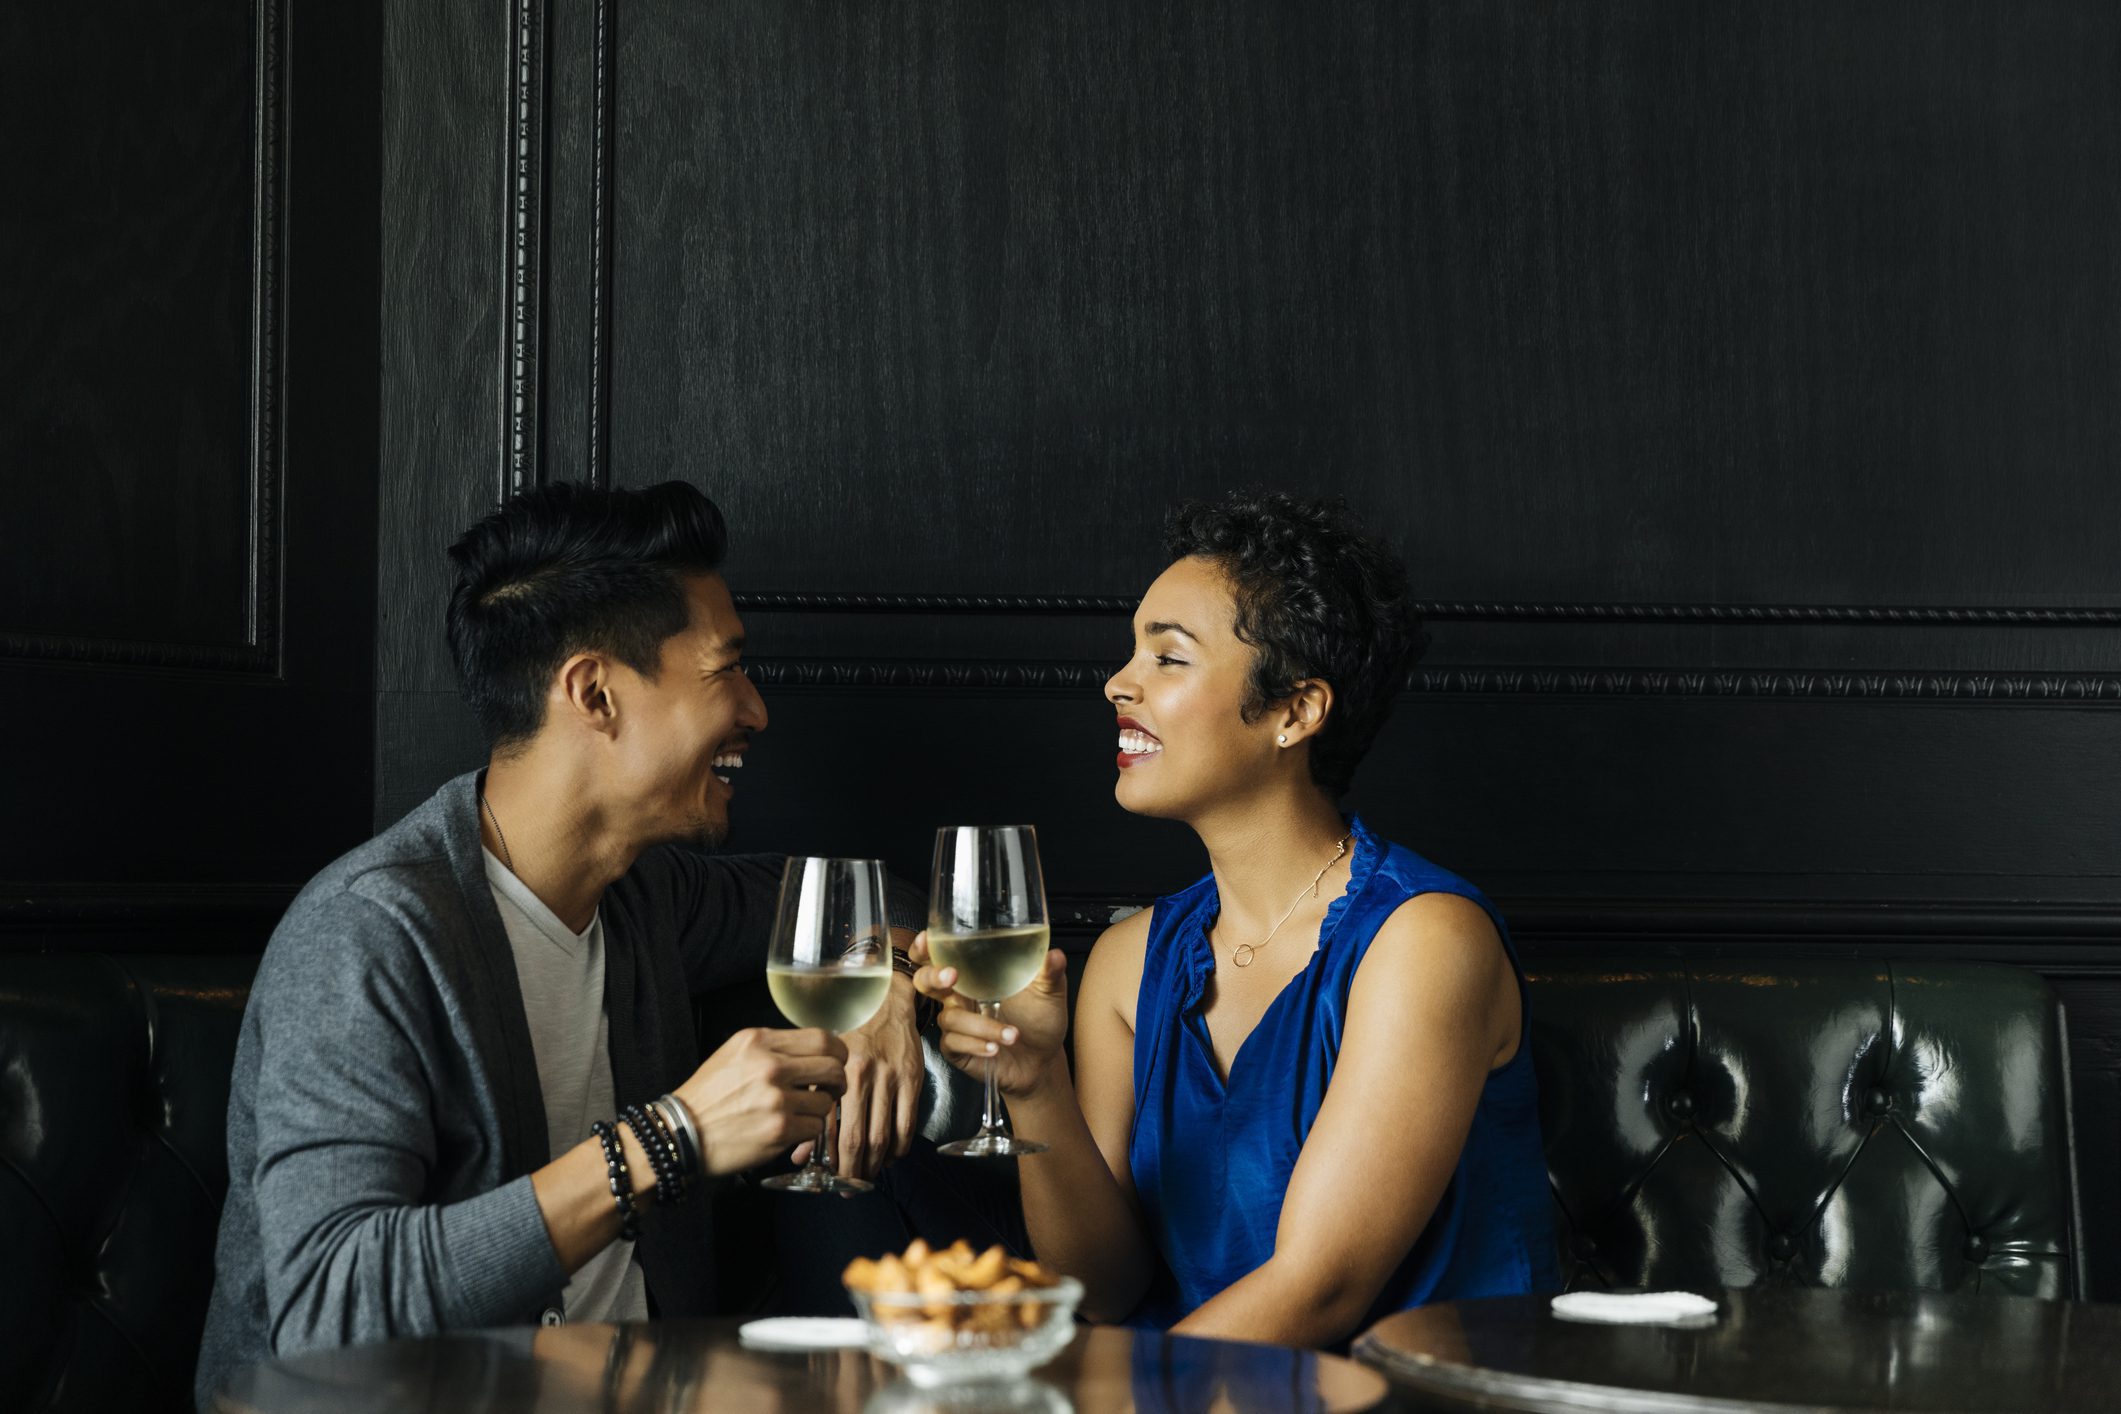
x=1135, y=758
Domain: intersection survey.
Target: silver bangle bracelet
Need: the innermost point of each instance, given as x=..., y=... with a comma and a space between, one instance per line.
x=680, y=1121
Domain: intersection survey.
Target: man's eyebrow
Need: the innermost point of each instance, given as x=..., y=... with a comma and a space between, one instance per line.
x=1164, y=626
x=732, y=646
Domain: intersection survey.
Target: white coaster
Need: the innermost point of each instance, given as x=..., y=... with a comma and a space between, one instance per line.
x=805, y=1333
x=1646, y=1308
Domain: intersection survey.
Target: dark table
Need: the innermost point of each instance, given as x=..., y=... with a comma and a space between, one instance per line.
x=1770, y=1348
x=699, y=1365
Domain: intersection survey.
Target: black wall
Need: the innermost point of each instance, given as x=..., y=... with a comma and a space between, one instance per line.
x=188, y=316
x=1742, y=382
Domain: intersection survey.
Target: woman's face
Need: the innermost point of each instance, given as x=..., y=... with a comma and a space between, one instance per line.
x=1184, y=745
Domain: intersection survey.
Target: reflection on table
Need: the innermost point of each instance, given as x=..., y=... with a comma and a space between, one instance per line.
x=700, y=1365
x=1771, y=1347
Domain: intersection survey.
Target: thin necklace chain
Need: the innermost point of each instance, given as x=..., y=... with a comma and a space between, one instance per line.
x=507, y=858
x=1241, y=955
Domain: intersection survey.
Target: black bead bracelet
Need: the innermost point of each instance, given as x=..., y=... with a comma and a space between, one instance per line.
x=621, y=1181
x=662, y=1154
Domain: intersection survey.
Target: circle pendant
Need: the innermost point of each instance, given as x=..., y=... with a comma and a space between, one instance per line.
x=1241, y=956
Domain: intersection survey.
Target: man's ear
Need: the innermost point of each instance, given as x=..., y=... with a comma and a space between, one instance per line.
x=584, y=691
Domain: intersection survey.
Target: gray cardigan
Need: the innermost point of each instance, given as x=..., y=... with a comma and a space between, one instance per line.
x=385, y=1116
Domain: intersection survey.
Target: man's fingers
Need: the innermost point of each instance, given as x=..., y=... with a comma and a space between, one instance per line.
x=919, y=949
x=799, y=1072
x=909, y=1114
x=852, y=1130
x=805, y=1041
x=878, y=1137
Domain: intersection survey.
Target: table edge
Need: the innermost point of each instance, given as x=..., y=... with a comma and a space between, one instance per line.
x=1530, y=1394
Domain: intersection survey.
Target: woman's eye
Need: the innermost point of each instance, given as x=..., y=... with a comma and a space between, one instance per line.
x=1170, y=662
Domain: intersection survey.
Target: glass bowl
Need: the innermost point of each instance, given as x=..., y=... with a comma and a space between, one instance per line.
x=958, y=1336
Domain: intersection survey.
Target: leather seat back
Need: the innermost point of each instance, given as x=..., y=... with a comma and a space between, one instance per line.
x=1827, y=1123
x=114, y=1076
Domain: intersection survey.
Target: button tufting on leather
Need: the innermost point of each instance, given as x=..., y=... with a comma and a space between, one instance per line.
x=1586, y=1248
x=1877, y=1102
x=1976, y=1247
x=1681, y=1105
x=1782, y=1247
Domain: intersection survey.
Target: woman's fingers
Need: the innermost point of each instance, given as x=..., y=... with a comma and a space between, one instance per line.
x=939, y=983
x=963, y=1021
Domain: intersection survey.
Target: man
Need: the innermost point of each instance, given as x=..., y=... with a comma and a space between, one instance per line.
x=445, y=1013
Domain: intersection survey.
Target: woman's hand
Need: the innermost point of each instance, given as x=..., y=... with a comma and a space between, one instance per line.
x=1024, y=1044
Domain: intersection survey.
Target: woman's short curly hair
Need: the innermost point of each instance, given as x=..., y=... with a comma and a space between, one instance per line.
x=1318, y=599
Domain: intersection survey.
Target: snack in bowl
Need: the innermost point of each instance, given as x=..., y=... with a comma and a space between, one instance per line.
x=953, y=1314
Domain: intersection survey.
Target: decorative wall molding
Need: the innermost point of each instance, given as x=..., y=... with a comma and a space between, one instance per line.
x=1072, y=677
x=2056, y=940
x=143, y=917
x=529, y=76
x=1468, y=611
x=260, y=651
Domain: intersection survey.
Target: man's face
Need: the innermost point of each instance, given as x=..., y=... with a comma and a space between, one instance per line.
x=682, y=735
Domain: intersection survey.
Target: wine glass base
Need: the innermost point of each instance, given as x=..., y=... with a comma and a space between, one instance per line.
x=807, y=1181
x=990, y=1146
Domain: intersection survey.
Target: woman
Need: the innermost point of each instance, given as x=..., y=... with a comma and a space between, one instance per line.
x=1301, y=1095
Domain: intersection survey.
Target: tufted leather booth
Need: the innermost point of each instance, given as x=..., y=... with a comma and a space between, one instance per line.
x=1823, y=1123
x=114, y=1079
x=1798, y=1122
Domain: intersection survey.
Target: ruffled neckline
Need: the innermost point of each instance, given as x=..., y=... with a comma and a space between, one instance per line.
x=1367, y=853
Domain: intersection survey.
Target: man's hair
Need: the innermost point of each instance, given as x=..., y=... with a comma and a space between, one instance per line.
x=1318, y=599
x=565, y=569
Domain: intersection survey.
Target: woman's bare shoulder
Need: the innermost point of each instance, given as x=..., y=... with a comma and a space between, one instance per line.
x=1112, y=977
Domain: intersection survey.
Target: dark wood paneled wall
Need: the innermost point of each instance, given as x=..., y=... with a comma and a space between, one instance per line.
x=1743, y=384
x=188, y=321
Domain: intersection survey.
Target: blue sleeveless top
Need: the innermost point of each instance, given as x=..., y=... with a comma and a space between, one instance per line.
x=1211, y=1160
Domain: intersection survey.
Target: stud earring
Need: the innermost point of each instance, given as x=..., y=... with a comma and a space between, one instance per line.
x=1283, y=738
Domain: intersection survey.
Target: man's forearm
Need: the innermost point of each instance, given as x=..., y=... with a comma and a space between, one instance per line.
x=574, y=1196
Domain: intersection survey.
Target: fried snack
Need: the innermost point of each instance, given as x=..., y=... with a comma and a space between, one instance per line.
x=939, y=1276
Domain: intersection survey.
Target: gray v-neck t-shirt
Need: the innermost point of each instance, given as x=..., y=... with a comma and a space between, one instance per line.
x=562, y=976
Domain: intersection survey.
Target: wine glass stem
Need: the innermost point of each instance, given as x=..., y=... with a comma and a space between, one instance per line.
x=991, y=1121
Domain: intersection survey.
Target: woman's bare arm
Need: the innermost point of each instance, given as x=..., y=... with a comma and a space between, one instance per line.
x=1078, y=1197
x=1081, y=1212
x=1432, y=1010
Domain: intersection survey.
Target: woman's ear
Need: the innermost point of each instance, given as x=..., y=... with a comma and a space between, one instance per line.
x=1305, y=713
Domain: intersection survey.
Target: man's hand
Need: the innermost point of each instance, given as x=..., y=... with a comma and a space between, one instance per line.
x=884, y=1078
x=752, y=1098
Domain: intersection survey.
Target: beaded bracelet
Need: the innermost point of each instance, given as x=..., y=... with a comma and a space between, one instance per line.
x=621, y=1181
x=682, y=1168
x=690, y=1146
x=662, y=1155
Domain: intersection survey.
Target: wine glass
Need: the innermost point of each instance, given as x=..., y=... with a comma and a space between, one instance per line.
x=829, y=966
x=987, y=919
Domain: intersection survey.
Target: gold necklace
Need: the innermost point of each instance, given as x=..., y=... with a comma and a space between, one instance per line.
x=1241, y=955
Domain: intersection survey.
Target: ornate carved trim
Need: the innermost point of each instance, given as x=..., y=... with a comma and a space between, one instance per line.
x=1466, y=611
x=260, y=651
x=2057, y=940
x=143, y=917
x=528, y=80
x=1035, y=678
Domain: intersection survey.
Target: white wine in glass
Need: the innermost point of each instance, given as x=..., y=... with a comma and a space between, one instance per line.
x=829, y=966
x=987, y=918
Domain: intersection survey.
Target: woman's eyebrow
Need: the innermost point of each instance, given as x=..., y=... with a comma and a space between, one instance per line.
x=1163, y=626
